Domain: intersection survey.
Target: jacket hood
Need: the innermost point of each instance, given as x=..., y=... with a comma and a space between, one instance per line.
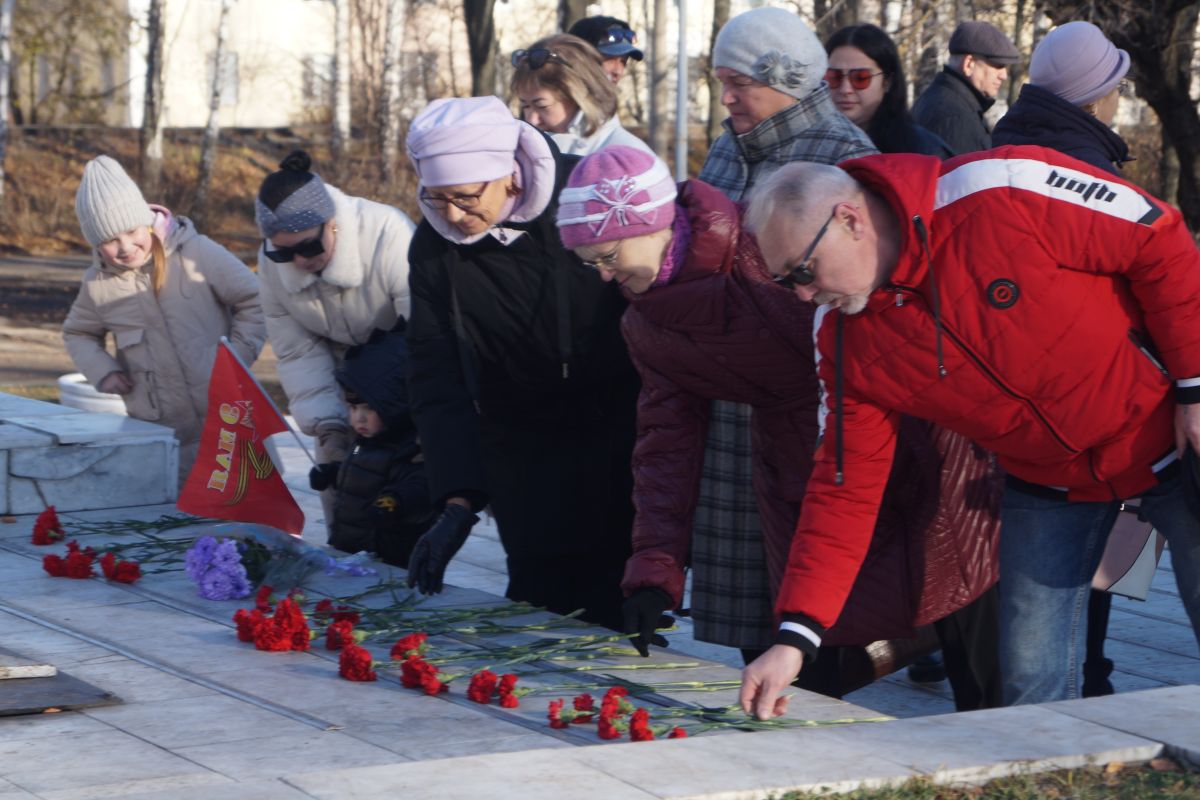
x=378, y=373
x=908, y=182
x=1043, y=118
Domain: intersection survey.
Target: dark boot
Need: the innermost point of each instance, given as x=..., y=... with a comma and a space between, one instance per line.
x=1095, y=678
x=927, y=669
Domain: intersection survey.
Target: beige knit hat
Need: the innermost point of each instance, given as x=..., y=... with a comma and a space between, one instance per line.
x=108, y=202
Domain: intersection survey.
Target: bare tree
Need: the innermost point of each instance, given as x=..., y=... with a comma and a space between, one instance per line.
x=481, y=43
x=212, y=131
x=150, y=141
x=1161, y=41
x=570, y=12
x=341, y=82
x=716, y=111
x=6, y=18
x=659, y=86
x=389, y=106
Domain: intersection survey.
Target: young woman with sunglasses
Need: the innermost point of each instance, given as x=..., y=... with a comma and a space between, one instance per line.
x=866, y=80
x=167, y=294
x=561, y=89
x=334, y=268
x=520, y=383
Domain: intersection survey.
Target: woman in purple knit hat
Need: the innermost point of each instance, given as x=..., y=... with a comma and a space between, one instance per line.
x=521, y=386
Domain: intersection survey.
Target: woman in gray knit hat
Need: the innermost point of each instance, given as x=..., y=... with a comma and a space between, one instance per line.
x=334, y=268
x=167, y=294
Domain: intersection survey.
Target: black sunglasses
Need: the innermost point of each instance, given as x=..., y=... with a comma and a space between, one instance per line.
x=309, y=248
x=537, y=57
x=618, y=34
x=802, y=274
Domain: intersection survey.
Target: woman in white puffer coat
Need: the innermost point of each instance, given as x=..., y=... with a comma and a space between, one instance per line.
x=333, y=269
x=167, y=294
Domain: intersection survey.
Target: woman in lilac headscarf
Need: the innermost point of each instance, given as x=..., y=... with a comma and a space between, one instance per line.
x=521, y=386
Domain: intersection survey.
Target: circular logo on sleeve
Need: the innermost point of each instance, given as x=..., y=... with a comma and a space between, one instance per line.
x=1002, y=293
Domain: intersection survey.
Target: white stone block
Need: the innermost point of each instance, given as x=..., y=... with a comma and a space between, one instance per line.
x=13, y=406
x=82, y=427
x=13, y=436
x=83, y=477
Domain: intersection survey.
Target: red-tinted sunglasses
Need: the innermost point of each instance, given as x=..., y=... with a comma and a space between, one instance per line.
x=860, y=77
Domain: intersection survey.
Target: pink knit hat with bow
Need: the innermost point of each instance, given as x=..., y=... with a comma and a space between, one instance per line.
x=615, y=193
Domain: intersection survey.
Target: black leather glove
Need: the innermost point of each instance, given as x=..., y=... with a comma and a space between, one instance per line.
x=643, y=612
x=433, y=551
x=322, y=476
x=385, y=507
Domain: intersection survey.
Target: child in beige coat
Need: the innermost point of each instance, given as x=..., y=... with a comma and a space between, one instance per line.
x=167, y=294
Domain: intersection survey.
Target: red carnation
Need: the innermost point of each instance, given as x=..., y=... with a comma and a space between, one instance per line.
x=354, y=664
x=79, y=562
x=417, y=673
x=119, y=571
x=554, y=713
x=46, y=528
x=482, y=687
x=413, y=644
x=55, y=566
x=639, y=726
x=432, y=685
x=262, y=600
x=607, y=729
x=247, y=623
x=509, y=701
x=339, y=635
x=272, y=639
x=584, y=703
x=677, y=733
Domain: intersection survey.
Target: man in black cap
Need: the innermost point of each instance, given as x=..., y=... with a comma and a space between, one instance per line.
x=954, y=104
x=613, y=38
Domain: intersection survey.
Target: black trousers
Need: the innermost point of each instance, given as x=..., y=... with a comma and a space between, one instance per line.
x=969, y=641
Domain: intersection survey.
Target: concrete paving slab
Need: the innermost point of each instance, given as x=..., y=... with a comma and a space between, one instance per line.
x=751, y=765
x=208, y=783
x=138, y=683
x=981, y=745
x=46, y=726
x=532, y=775
x=8, y=791
x=316, y=751
x=86, y=760
x=276, y=789
x=1167, y=715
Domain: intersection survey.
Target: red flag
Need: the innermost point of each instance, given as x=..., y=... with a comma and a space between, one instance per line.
x=234, y=477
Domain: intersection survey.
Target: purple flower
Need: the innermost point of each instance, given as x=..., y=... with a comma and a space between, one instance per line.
x=216, y=569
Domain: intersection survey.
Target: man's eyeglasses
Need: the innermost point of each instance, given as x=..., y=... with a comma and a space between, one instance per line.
x=309, y=248
x=464, y=202
x=604, y=261
x=802, y=274
x=537, y=58
x=860, y=77
x=617, y=34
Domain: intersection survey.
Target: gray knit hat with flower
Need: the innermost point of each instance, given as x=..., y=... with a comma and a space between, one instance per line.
x=108, y=202
x=772, y=46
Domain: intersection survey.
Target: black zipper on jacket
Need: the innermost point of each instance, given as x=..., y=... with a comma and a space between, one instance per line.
x=986, y=370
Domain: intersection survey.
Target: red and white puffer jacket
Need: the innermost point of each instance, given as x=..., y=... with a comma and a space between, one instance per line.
x=1067, y=303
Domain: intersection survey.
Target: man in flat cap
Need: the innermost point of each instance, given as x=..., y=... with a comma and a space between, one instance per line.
x=615, y=40
x=954, y=104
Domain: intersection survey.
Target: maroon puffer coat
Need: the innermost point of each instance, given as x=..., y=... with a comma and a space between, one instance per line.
x=722, y=330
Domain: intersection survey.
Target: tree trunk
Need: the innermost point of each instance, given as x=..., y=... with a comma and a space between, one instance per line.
x=659, y=85
x=389, y=106
x=150, y=142
x=481, y=43
x=1016, y=72
x=340, y=142
x=212, y=131
x=6, y=18
x=716, y=111
x=570, y=12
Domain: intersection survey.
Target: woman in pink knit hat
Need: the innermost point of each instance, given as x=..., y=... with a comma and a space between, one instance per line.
x=707, y=321
x=521, y=385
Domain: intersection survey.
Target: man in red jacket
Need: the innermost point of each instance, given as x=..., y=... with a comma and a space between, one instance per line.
x=1044, y=309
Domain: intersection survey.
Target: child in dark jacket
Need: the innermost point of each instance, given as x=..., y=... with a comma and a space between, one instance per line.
x=382, y=502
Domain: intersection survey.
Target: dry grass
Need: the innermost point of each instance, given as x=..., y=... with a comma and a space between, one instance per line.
x=44, y=166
